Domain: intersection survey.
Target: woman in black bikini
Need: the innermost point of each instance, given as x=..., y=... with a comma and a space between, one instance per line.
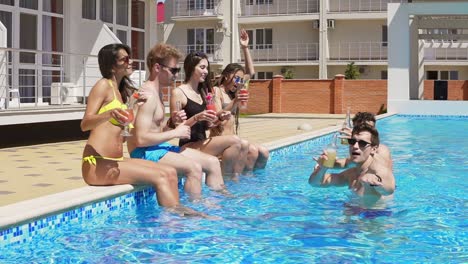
x=192, y=96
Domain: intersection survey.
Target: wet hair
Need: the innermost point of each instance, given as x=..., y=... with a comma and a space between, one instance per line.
x=190, y=62
x=375, y=141
x=107, y=58
x=363, y=117
x=160, y=53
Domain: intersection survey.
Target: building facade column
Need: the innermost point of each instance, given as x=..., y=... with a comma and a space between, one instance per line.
x=323, y=40
x=276, y=93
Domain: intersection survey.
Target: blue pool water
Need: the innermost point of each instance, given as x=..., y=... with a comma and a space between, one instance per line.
x=278, y=218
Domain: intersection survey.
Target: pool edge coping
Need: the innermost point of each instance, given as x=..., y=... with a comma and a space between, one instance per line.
x=25, y=211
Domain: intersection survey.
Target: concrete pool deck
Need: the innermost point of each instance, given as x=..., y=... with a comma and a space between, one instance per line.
x=40, y=180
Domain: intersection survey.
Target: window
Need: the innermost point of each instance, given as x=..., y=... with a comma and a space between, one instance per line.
x=88, y=9
x=432, y=75
x=53, y=6
x=200, y=39
x=453, y=75
x=107, y=7
x=259, y=2
x=138, y=20
x=7, y=2
x=263, y=75
x=262, y=39
x=125, y=18
x=384, y=36
x=442, y=75
x=200, y=4
x=31, y=4
x=383, y=75
x=122, y=12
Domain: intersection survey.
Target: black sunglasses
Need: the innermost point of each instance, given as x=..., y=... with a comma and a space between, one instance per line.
x=361, y=143
x=174, y=70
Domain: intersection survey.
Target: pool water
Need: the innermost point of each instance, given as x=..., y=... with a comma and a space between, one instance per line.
x=276, y=217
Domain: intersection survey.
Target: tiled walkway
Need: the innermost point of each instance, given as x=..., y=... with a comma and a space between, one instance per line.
x=34, y=171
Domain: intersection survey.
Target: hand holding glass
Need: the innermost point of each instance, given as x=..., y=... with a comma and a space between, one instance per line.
x=129, y=114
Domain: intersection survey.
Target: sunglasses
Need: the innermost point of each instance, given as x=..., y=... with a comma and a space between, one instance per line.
x=361, y=143
x=238, y=79
x=125, y=59
x=174, y=70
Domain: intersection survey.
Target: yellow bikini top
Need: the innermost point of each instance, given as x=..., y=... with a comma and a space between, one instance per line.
x=112, y=105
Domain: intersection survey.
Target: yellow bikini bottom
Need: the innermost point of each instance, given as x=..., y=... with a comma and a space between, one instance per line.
x=92, y=159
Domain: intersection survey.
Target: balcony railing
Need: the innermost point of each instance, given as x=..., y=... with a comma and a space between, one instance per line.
x=289, y=52
x=446, y=51
x=212, y=51
x=269, y=7
x=446, y=54
x=358, y=51
x=347, y=6
x=32, y=79
x=197, y=8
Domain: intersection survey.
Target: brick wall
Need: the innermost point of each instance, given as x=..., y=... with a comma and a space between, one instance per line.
x=316, y=96
x=330, y=96
x=457, y=90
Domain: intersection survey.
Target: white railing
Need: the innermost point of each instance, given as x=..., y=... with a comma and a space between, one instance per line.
x=212, y=51
x=32, y=79
x=287, y=52
x=346, y=6
x=197, y=8
x=279, y=7
x=446, y=50
x=446, y=54
x=358, y=51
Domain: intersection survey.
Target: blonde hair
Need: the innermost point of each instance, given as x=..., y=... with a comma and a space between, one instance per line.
x=160, y=53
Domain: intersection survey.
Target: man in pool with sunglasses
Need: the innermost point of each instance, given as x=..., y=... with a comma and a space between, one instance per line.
x=371, y=180
x=151, y=133
x=383, y=152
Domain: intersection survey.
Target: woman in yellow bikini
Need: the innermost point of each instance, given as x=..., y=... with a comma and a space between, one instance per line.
x=105, y=116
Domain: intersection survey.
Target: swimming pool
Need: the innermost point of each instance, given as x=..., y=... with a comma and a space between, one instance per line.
x=277, y=217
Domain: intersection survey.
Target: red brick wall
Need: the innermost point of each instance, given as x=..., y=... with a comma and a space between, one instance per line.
x=260, y=97
x=457, y=90
x=330, y=96
x=306, y=96
x=365, y=95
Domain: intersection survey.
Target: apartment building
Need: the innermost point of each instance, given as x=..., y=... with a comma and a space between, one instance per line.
x=312, y=39
x=48, y=52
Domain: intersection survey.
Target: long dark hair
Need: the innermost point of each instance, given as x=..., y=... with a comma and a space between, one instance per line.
x=190, y=62
x=231, y=68
x=107, y=58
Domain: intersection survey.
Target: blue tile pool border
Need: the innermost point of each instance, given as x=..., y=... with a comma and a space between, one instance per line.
x=26, y=232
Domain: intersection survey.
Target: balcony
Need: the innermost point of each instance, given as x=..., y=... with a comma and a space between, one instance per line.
x=199, y=9
x=358, y=51
x=52, y=81
x=212, y=51
x=446, y=51
x=289, y=52
x=352, y=6
x=273, y=8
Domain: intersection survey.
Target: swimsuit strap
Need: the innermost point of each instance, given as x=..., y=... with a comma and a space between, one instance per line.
x=91, y=159
x=112, y=85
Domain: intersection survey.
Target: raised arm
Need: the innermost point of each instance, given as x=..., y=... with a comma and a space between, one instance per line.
x=244, y=43
x=320, y=177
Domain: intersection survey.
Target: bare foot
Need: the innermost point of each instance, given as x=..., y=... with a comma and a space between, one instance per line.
x=186, y=211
